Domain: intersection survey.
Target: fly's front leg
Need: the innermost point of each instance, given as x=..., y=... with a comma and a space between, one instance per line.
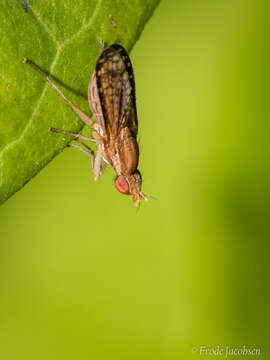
x=77, y=137
x=97, y=162
x=89, y=152
x=99, y=165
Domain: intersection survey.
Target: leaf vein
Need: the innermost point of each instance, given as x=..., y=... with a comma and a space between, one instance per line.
x=44, y=25
x=12, y=143
x=85, y=26
x=58, y=53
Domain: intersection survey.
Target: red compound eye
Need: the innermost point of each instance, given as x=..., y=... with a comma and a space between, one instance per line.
x=121, y=185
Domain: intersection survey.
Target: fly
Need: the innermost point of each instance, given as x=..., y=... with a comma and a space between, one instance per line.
x=25, y=5
x=111, y=96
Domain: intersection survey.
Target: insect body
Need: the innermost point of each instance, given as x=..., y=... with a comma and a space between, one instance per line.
x=25, y=5
x=111, y=96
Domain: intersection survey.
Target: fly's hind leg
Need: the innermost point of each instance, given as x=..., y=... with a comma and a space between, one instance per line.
x=113, y=22
x=102, y=45
x=77, y=111
x=114, y=25
x=101, y=42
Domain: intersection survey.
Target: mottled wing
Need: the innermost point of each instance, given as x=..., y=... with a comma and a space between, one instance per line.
x=131, y=116
x=116, y=89
x=94, y=101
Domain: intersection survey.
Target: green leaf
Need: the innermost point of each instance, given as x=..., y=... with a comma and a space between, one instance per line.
x=63, y=38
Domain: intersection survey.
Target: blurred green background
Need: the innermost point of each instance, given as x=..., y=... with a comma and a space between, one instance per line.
x=84, y=275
